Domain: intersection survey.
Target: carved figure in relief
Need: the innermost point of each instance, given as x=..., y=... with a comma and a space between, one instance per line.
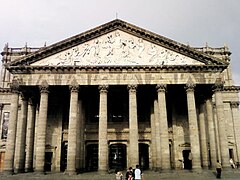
x=140, y=47
x=152, y=51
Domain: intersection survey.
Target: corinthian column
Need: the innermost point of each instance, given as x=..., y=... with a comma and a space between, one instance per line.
x=41, y=129
x=211, y=132
x=102, y=132
x=165, y=154
x=21, y=137
x=12, y=127
x=72, y=130
x=133, y=126
x=193, y=127
x=30, y=136
x=221, y=124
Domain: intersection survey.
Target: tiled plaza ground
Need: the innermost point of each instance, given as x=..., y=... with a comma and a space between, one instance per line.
x=148, y=175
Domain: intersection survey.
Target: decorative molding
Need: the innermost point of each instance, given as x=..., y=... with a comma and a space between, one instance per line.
x=15, y=88
x=74, y=87
x=218, y=86
x=190, y=87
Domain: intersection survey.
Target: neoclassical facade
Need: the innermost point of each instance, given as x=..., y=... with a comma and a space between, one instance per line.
x=113, y=97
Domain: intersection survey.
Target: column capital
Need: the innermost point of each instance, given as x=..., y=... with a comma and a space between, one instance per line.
x=234, y=104
x=15, y=86
x=44, y=87
x=190, y=87
x=74, y=88
x=218, y=86
x=161, y=87
x=132, y=87
x=103, y=88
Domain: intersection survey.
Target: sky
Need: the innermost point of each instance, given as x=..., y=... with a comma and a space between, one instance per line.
x=193, y=22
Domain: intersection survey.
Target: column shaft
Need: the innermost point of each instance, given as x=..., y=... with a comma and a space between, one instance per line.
x=41, y=131
x=12, y=127
x=203, y=137
x=21, y=137
x=133, y=127
x=153, y=138
x=211, y=132
x=72, y=131
x=193, y=127
x=163, y=122
x=221, y=128
x=102, y=134
x=30, y=137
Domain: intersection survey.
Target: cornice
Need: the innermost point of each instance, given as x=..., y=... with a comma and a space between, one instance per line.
x=231, y=88
x=126, y=27
x=86, y=69
x=5, y=90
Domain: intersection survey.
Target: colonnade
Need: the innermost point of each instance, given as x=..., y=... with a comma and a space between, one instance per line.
x=21, y=130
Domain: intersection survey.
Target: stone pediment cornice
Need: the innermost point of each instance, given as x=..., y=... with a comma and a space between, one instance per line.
x=90, y=69
x=109, y=27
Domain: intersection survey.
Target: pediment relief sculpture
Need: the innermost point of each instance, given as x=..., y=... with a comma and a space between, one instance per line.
x=117, y=48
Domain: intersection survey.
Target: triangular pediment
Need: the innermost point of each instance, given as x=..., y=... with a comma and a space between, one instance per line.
x=117, y=48
x=117, y=43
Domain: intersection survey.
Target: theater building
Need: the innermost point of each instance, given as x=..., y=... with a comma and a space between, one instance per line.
x=113, y=97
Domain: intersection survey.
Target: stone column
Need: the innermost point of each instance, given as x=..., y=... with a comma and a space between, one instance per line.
x=41, y=129
x=211, y=132
x=133, y=126
x=30, y=136
x=12, y=127
x=203, y=137
x=72, y=130
x=158, y=142
x=163, y=123
x=236, y=118
x=21, y=137
x=193, y=127
x=102, y=132
x=1, y=108
x=153, y=139
x=221, y=125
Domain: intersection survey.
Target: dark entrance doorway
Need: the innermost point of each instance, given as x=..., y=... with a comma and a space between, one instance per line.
x=187, y=159
x=63, y=165
x=48, y=161
x=144, y=156
x=92, y=157
x=117, y=156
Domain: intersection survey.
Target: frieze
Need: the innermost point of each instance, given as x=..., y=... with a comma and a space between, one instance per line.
x=117, y=48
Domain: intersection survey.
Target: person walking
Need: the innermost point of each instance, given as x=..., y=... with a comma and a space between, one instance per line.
x=218, y=169
x=137, y=173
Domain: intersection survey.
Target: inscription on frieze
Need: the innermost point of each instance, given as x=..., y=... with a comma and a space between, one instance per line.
x=117, y=48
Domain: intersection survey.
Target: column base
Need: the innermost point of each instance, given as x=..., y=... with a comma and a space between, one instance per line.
x=17, y=171
x=8, y=172
x=70, y=173
x=27, y=170
x=166, y=170
x=102, y=172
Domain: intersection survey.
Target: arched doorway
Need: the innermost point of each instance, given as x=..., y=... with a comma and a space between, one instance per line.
x=117, y=156
x=144, y=156
x=92, y=157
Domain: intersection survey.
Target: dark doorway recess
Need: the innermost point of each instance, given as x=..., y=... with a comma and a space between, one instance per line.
x=144, y=156
x=92, y=157
x=48, y=161
x=117, y=156
x=187, y=160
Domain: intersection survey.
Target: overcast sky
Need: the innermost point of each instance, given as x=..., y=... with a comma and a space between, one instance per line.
x=193, y=22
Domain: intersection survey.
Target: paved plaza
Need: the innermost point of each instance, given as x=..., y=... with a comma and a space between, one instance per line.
x=148, y=175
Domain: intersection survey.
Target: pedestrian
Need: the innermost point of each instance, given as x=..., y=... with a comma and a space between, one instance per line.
x=218, y=169
x=119, y=175
x=137, y=173
x=129, y=174
x=232, y=163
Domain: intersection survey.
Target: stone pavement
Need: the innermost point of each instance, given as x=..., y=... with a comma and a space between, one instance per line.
x=148, y=175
